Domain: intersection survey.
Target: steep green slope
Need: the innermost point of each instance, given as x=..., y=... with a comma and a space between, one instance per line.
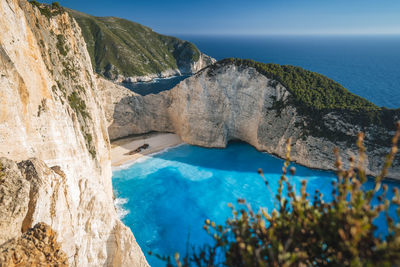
x=118, y=46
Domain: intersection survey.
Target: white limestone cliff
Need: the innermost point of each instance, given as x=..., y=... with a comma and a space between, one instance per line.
x=228, y=103
x=50, y=113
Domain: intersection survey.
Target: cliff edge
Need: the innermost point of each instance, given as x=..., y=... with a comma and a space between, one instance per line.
x=54, y=136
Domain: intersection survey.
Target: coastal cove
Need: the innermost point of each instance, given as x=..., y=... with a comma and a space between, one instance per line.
x=117, y=140
x=166, y=196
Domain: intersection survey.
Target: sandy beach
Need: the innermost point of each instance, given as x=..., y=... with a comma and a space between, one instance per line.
x=122, y=148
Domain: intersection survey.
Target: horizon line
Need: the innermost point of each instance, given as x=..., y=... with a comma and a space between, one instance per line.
x=283, y=34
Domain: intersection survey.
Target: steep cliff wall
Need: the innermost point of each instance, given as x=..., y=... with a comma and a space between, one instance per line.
x=226, y=102
x=49, y=109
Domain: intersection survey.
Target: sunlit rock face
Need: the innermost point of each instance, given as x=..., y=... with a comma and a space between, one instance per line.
x=230, y=102
x=50, y=111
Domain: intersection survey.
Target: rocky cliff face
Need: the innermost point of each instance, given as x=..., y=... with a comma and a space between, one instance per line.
x=36, y=247
x=229, y=102
x=50, y=110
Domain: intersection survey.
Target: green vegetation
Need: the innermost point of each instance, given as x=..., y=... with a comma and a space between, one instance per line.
x=89, y=143
x=118, y=46
x=69, y=71
x=55, y=5
x=78, y=105
x=42, y=107
x=48, y=11
x=62, y=89
x=311, y=89
x=305, y=230
x=61, y=46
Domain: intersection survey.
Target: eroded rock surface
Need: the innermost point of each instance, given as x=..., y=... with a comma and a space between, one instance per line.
x=14, y=199
x=37, y=247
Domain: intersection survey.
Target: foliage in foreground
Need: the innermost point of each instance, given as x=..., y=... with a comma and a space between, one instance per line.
x=305, y=230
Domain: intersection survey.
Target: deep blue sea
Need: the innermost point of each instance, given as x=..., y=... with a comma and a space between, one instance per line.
x=368, y=66
x=167, y=196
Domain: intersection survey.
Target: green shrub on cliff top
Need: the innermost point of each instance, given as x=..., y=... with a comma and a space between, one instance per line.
x=48, y=10
x=309, y=88
x=308, y=231
x=56, y=5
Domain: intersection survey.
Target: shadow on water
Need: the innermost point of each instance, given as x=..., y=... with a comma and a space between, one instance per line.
x=154, y=87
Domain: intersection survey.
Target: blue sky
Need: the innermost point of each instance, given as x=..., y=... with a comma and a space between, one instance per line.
x=254, y=17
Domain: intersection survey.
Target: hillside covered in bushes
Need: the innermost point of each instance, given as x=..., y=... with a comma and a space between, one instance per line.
x=122, y=47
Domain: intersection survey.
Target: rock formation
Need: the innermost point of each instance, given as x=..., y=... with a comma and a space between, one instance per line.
x=229, y=102
x=36, y=247
x=53, y=131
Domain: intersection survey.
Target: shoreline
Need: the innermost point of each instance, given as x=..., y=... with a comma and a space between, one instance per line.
x=157, y=142
x=155, y=80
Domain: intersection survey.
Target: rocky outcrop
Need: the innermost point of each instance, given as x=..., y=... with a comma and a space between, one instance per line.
x=230, y=102
x=14, y=192
x=36, y=247
x=50, y=113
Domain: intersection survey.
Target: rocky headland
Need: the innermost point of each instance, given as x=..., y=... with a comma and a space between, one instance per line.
x=263, y=105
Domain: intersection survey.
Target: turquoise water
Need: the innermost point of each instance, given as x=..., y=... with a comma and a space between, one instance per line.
x=168, y=196
x=368, y=66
